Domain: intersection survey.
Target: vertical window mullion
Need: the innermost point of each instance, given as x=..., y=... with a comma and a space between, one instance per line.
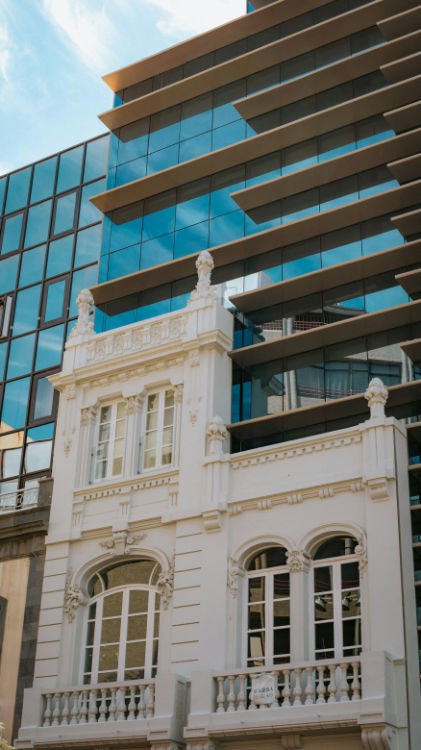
x=111, y=441
x=97, y=639
x=337, y=609
x=269, y=590
x=149, y=634
x=123, y=635
x=160, y=426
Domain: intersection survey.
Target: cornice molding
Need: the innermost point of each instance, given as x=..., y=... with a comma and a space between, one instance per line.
x=293, y=450
x=317, y=492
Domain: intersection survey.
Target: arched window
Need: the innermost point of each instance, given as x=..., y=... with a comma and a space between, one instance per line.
x=336, y=599
x=268, y=608
x=123, y=623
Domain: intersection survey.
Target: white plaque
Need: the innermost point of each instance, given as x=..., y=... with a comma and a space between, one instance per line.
x=263, y=690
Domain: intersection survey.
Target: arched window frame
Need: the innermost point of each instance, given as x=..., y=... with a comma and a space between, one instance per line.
x=153, y=615
x=269, y=574
x=338, y=592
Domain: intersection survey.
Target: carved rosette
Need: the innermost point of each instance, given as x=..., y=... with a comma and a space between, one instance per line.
x=204, y=289
x=376, y=395
x=165, y=585
x=297, y=561
x=234, y=573
x=84, y=324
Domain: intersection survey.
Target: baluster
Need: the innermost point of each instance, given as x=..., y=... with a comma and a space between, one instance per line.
x=141, y=705
x=297, y=688
x=56, y=712
x=355, y=684
x=47, y=712
x=309, y=690
x=231, y=694
x=121, y=704
x=275, y=702
x=103, y=706
x=84, y=708
x=74, y=714
x=66, y=708
x=150, y=703
x=220, y=698
x=241, y=697
x=112, y=708
x=132, y=704
x=332, y=684
x=286, y=692
x=92, y=707
x=343, y=687
x=321, y=688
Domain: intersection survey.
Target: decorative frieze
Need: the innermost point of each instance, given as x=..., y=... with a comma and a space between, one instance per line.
x=292, y=498
x=146, y=336
x=269, y=456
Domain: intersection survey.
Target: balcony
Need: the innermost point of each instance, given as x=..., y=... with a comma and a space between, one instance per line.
x=19, y=499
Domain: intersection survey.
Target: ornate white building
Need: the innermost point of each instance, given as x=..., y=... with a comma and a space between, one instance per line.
x=198, y=599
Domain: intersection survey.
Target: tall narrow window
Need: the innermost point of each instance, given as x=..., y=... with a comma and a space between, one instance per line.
x=159, y=431
x=268, y=609
x=336, y=599
x=109, y=449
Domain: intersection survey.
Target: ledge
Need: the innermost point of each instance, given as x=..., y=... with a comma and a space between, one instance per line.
x=413, y=350
x=400, y=23
x=404, y=118
x=406, y=169
x=408, y=223
x=403, y=68
x=410, y=281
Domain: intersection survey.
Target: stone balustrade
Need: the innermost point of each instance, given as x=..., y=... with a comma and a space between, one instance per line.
x=327, y=681
x=93, y=704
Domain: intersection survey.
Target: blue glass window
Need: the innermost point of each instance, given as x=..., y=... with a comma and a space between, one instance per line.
x=194, y=209
x=89, y=214
x=70, y=169
x=88, y=245
x=224, y=111
x=20, y=356
x=43, y=399
x=133, y=141
x=38, y=448
x=50, y=345
x=8, y=273
x=15, y=405
x=341, y=246
x=165, y=129
x=60, y=256
x=130, y=171
x=17, y=193
x=82, y=279
x=3, y=182
x=123, y=262
x=11, y=234
x=226, y=228
x=123, y=235
x=223, y=185
x=228, y=134
x=159, y=217
x=32, y=266
x=26, y=310
x=159, y=250
x=43, y=181
x=3, y=352
x=96, y=159
x=64, y=217
x=195, y=147
x=384, y=298
x=54, y=302
x=38, y=224
x=191, y=240
x=163, y=159
x=196, y=116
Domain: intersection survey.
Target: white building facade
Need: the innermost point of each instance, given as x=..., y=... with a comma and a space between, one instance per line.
x=201, y=599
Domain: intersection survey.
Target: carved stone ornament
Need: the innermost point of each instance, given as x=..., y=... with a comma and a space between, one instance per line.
x=376, y=395
x=375, y=738
x=361, y=552
x=85, y=323
x=234, y=573
x=204, y=289
x=217, y=434
x=165, y=585
x=291, y=742
x=121, y=542
x=297, y=561
x=73, y=598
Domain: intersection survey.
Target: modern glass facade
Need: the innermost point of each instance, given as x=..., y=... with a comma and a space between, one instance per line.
x=50, y=240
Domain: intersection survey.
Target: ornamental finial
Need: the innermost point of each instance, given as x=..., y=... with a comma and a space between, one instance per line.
x=84, y=324
x=376, y=395
x=205, y=266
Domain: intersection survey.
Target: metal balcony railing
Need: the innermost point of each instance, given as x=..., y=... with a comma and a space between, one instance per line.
x=19, y=499
x=327, y=681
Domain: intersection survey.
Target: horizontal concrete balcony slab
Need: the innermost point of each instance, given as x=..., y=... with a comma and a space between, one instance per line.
x=412, y=349
x=408, y=223
x=406, y=169
x=227, y=255
x=404, y=118
x=406, y=67
x=403, y=400
x=260, y=145
x=267, y=302
x=401, y=23
x=378, y=154
x=331, y=75
x=244, y=65
x=411, y=282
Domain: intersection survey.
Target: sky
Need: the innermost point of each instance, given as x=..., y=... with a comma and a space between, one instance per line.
x=54, y=52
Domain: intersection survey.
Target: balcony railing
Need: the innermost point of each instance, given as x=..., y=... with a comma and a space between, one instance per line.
x=327, y=681
x=126, y=701
x=19, y=499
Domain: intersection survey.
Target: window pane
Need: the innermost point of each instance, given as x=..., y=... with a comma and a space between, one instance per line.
x=139, y=601
x=38, y=224
x=54, y=305
x=8, y=273
x=82, y=280
x=70, y=169
x=156, y=251
x=10, y=462
x=27, y=310
x=60, y=256
x=136, y=628
x=135, y=655
x=20, y=356
x=65, y=213
x=15, y=404
x=112, y=604
x=12, y=228
x=96, y=159
x=32, y=266
x=38, y=456
x=50, y=344
x=44, y=394
x=43, y=181
x=17, y=194
x=88, y=213
x=110, y=631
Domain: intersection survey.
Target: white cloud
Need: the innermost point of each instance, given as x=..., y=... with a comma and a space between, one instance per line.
x=86, y=29
x=5, y=52
x=195, y=16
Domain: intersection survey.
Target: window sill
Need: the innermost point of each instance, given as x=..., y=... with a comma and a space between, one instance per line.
x=121, y=484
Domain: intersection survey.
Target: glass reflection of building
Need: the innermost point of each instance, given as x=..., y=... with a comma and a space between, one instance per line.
x=49, y=245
